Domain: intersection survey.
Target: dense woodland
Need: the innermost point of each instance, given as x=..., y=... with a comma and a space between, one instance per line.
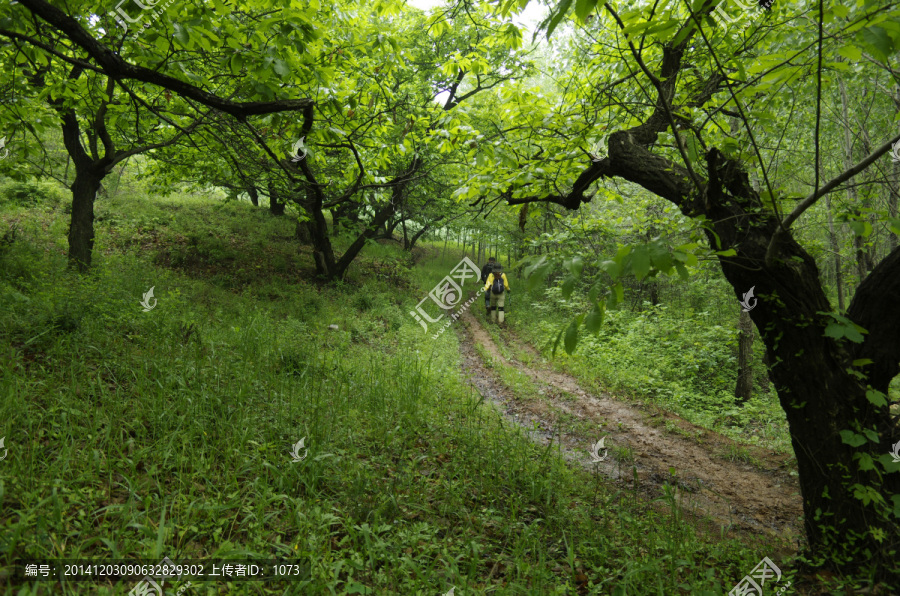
x=224, y=226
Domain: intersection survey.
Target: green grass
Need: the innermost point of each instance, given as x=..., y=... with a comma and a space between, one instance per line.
x=167, y=433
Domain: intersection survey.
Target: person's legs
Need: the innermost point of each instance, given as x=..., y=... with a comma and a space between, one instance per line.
x=494, y=306
x=487, y=302
x=501, y=300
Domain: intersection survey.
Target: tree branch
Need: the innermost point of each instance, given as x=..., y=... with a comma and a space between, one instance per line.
x=118, y=68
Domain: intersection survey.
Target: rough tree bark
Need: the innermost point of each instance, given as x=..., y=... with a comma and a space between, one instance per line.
x=276, y=206
x=303, y=233
x=744, y=387
x=836, y=253
x=81, y=228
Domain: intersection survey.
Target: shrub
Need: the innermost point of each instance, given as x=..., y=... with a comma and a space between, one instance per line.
x=30, y=193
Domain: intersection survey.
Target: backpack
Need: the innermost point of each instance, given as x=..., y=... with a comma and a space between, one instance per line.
x=497, y=286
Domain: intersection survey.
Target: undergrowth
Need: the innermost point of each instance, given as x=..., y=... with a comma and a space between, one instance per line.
x=136, y=434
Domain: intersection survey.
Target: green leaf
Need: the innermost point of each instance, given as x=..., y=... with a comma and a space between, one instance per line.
x=572, y=335
x=887, y=461
x=894, y=225
x=575, y=265
x=568, y=286
x=838, y=331
x=617, y=297
x=860, y=228
x=583, y=8
x=613, y=268
x=878, y=40
x=594, y=320
x=687, y=30
x=682, y=272
x=237, y=61
x=876, y=397
x=181, y=34
x=660, y=256
x=282, y=68
x=537, y=273
x=558, y=338
x=851, y=438
x=640, y=261
x=851, y=53
x=865, y=462
x=843, y=327
x=561, y=9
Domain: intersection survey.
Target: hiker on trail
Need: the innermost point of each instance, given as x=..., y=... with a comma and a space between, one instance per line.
x=485, y=271
x=497, y=285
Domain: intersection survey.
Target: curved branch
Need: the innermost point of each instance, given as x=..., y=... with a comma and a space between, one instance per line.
x=118, y=68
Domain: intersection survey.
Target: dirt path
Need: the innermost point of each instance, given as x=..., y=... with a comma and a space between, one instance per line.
x=712, y=482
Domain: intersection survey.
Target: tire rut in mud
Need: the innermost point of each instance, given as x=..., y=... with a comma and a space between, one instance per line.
x=733, y=495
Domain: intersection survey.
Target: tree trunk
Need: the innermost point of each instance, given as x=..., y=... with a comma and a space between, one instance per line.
x=81, y=229
x=744, y=388
x=852, y=196
x=653, y=287
x=824, y=383
x=254, y=195
x=893, y=200
x=323, y=252
x=276, y=207
x=302, y=232
x=894, y=193
x=381, y=216
x=813, y=374
x=859, y=244
x=836, y=253
x=420, y=233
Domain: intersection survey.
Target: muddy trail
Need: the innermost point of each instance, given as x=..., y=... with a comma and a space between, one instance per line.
x=719, y=483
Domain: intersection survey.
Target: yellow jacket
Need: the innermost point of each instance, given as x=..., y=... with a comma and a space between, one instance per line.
x=490, y=281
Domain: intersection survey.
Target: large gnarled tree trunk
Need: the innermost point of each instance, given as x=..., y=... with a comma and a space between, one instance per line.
x=824, y=384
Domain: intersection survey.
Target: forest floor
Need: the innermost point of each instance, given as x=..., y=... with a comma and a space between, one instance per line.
x=724, y=486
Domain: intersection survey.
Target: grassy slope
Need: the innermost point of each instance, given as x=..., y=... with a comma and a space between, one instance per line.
x=167, y=433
